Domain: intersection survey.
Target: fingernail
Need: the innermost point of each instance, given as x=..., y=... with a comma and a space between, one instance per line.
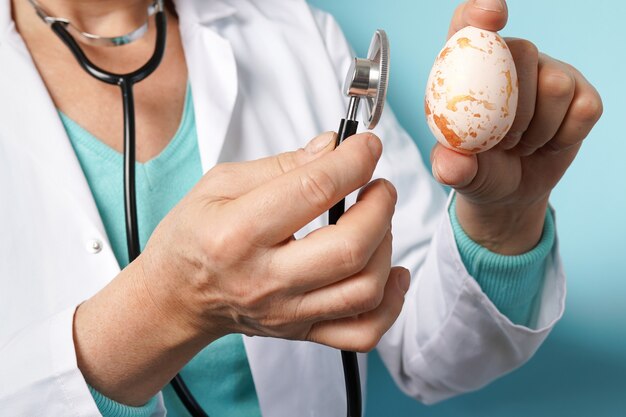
x=373, y=145
x=489, y=5
x=319, y=143
x=404, y=280
x=391, y=189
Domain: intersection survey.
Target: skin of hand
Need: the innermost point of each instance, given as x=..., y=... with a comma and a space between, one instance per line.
x=225, y=260
x=503, y=193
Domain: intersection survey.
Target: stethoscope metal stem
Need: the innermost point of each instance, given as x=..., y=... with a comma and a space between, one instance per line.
x=353, y=108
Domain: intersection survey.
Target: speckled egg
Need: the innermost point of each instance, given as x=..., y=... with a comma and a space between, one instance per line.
x=471, y=96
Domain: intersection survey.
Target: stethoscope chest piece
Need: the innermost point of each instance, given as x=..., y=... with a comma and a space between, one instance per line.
x=368, y=79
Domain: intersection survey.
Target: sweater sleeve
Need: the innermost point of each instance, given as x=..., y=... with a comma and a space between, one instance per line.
x=110, y=408
x=512, y=283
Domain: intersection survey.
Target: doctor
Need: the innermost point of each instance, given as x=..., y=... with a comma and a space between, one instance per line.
x=85, y=334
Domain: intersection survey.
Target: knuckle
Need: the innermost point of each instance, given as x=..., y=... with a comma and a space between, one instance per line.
x=298, y=314
x=227, y=245
x=511, y=139
x=557, y=83
x=529, y=49
x=588, y=108
x=217, y=169
x=368, y=295
x=222, y=175
x=524, y=149
x=368, y=341
x=217, y=242
x=523, y=48
x=318, y=188
x=286, y=161
x=222, y=169
x=354, y=255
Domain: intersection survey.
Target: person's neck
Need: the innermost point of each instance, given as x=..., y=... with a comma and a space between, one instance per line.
x=101, y=17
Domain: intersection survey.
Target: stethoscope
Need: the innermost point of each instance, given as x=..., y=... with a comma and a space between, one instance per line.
x=367, y=81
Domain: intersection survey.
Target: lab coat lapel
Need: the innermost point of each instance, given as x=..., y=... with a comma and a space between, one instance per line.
x=212, y=73
x=39, y=132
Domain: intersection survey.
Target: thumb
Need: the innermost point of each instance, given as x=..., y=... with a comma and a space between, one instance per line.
x=452, y=168
x=231, y=180
x=484, y=14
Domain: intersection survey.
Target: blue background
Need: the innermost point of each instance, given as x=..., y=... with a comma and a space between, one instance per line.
x=581, y=369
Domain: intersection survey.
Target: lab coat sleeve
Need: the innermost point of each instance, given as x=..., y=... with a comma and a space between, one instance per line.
x=449, y=338
x=44, y=376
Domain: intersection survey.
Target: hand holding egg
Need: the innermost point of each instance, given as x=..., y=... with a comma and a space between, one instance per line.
x=473, y=101
x=471, y=95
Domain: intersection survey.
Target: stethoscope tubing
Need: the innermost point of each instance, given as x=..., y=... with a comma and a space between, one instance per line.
x=349, y=360
x=126, y=83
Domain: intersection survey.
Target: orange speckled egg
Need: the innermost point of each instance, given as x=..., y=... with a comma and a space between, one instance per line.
x=471, y=96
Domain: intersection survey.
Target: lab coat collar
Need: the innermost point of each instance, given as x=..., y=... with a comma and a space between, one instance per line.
x=205, y=12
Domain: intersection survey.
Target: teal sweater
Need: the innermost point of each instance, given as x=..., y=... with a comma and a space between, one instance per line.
x=219, y=376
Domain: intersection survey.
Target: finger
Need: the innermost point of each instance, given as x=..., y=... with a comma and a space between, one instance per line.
x=526, y=57
x=584, y=112
x=358, y=294
x=452, y=168
x=363, y=332
x=233, y=179
x=555, y=89
x=274, y=211
x=332, y=253
x=484, y=14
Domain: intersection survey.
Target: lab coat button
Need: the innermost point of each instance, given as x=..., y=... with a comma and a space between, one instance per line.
x=94, y=246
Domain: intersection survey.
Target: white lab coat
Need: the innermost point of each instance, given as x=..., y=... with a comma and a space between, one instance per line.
x=266, y=77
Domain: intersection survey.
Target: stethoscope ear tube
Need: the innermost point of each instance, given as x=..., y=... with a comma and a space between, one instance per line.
x=109, y=77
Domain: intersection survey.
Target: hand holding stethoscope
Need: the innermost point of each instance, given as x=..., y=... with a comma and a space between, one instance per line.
x=322, y=320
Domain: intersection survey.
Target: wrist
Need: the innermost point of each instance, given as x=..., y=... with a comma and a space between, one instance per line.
x=128, y=346
x=506, y=229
